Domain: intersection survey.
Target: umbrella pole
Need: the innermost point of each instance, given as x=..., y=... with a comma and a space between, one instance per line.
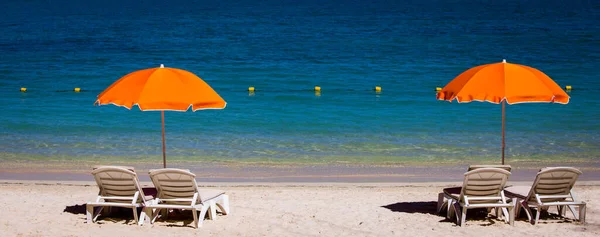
x=162, y=116
x=503, y=144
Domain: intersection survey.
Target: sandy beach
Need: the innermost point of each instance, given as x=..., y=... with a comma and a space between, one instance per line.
x=56, y=208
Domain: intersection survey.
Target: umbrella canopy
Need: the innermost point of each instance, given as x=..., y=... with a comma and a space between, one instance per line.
x=503, y=83
x=161, y=89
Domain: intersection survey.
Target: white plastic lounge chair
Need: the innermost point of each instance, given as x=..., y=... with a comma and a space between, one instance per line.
x=177, y=189
x=119, y=187
x=482, y=188
x=445, y=196
x=552, y=187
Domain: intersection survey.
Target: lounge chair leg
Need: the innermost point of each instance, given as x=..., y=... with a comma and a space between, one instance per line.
x=440, y=203
x=451, y=210
x=135, y=216
x=582, y=213
x=455, y=212
x=528, y=212
x=142, y=216
x=537, y=215
x=164, y=213
x=202, y=215
x=97, y=213
x=195, y=215
x=148, y=214
x=511, y=212
x=155, y=213
x=212, y=214
x=572, y=209
x=511, y=217
x=89, y=209
x=506, y=214
x=561, y=210
x=463, y=216
x=224, y=206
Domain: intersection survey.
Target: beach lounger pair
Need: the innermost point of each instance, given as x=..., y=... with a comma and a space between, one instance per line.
x=176, y=189
x=484, y=187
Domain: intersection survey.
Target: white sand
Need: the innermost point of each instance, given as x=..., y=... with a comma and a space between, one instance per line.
x=37, y=208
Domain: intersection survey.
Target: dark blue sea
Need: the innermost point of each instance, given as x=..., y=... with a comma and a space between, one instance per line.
x=285, y=48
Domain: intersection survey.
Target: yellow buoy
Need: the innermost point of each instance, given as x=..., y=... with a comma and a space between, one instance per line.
x=438, y=89
x=251, y=89
x=317, y=88
x=378, y=88
x=568, y=88
x=23, y=89
x=77, y=89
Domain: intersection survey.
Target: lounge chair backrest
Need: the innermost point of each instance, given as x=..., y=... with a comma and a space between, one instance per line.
x=117, y=182
x=505, y=167
x=554, y=181
x=131, y=168
x=484, y=182
x=174, y=184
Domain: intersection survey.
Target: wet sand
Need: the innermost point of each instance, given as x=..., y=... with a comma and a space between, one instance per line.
x=244, y=173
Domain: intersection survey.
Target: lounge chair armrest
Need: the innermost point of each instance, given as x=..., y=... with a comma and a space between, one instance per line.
x=484, y=198
x=468, y=198
x=174, y=206
x=563, y=203
x=175, y=200
x=491, y=205
x=553, y=196
x=539, y=198
x=115, y=198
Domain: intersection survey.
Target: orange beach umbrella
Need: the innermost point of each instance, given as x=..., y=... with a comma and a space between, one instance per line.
x=503, y=83
x=161, y=89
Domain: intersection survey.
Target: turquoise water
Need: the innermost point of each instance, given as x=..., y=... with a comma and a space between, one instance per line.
x=284, y=49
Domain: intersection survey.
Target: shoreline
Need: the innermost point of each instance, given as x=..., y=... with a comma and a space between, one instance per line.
x=148, y=184
x=215, y=172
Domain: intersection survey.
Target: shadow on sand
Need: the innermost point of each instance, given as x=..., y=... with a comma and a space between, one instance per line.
x=113, y=215
x=414, y=207
x=78, y=209
x=116, y=214
x=431, y=209
x=175, y=218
